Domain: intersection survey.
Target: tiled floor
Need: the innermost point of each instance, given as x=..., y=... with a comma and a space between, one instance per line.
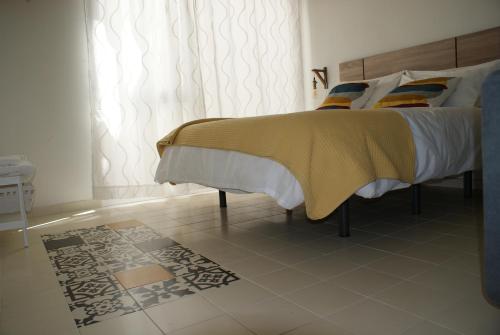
x=183, y=266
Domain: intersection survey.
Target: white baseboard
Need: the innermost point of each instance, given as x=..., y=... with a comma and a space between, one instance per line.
x=74, y=206
x=80, y=206
x=85, y=205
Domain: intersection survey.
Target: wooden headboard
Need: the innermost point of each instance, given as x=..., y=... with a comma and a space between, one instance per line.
x=459, y=51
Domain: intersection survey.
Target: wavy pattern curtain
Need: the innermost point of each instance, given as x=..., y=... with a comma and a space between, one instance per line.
x=155, y=64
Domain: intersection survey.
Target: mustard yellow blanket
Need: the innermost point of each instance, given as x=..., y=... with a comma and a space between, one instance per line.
x=332, y=153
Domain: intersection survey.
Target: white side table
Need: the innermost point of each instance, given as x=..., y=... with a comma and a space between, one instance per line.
x=18, y=224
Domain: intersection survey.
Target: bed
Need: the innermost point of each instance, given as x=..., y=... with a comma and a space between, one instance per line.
x=441, y=135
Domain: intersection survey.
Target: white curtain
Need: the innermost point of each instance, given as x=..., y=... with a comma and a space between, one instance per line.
x=155, y=64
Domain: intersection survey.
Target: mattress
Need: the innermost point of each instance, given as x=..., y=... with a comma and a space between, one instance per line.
x=447, y=142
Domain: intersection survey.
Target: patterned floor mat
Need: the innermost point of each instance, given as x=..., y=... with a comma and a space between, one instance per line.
x=123, y=267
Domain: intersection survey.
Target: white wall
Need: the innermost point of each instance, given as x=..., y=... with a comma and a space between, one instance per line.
x=342, y=30
x=44, y=105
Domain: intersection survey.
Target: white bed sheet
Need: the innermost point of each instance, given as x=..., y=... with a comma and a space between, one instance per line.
x=447, y=141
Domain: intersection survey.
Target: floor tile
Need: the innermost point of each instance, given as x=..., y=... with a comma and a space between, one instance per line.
x=207, y=243
x=124, y=224
x=468, y=231
x=86, y=312
x=156, y=244
x=360, y=236
x=471, y=316
x=465, y=262
x=107, y=251
x=285, y=280
x=173, y=232
x=324, y=298
x=129, y=324
x=196, y=236
x=266, y=246
x=172, y=253
x=298, y=237
x=293, y=255
x=222, y=325
x=417, y=299
x=372, y=318
x=67, y=241
x=429, y=253
x=182, y=313
x=437, y=226
x=82, y=259
x=364, y=281
x=267, y=228
x=416, y=234
x=450, y=280
x=319, y=328
x=400, y=266
x=360, y=254
x=100, y=234
x=139, y=234
x=229, y=255
x=235, y=235
x=91, y=288
x=50, y=236
x=205, y=279
x=142, y=276
x=160, y=292
x=189, y=264
x=127, y=261
x=273, y=317
x=326, y=266
x=329, y=244
x=254, y=266
x=41, y=321
x=69, y=250
x=457, y=243
x=427, y=328
x=389, y=244
x=382, y=228
x=406, y=219
x=461, y=219
x=69, y=276
x=237, y=295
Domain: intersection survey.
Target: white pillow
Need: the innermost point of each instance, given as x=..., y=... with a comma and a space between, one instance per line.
x=384, y=85
x=468, y=89
x=405, y=78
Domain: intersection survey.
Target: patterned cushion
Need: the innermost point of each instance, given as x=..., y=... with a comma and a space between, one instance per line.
x=430, y=92
x=348, y=95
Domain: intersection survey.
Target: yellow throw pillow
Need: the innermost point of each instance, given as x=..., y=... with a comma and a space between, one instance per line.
x=431, y=92
x=349, y=95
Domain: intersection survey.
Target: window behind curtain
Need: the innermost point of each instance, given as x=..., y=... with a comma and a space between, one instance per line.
x=155, y=64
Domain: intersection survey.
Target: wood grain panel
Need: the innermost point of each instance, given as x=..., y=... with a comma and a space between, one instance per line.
x=432, y=56
x=352, y=70
x=477, y=48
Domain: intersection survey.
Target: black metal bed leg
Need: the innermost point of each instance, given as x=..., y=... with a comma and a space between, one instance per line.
x=222, y=199
x=468, y=184
x=344, y=226
x=415, y=199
